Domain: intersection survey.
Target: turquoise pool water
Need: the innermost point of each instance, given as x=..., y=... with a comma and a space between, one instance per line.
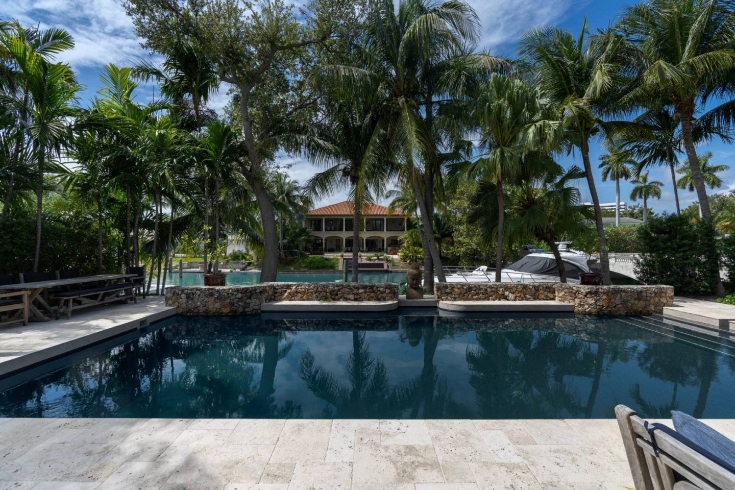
x=404, y=364
x=246, y=278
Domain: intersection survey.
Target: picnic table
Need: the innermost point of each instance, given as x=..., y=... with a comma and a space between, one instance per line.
x=37, y=302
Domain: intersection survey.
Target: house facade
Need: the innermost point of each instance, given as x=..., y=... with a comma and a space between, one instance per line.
x=332, y=228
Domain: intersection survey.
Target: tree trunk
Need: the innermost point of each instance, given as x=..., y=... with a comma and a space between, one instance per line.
x=355, y=242
x=128, y=262
x=676, y=189
x=216, y=219
x=8, y=197
x=207, y=234
x=169, y=247
x=501, y=223
x=429, y=198
x=557, y=255
x=19, y=143
x=99, y=234
x=39, y=206
x=156, y=222
x=601, y=240
x=269, y=266
x=685, y=112
x=645, y=209
x=617, y=201
x=136, y=229
x=428, y=230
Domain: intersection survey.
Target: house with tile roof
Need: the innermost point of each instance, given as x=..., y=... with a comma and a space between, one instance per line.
x=332, y=228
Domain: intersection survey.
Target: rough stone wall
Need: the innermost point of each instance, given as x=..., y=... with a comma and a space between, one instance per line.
x=587, y=300
x=616, y=300
x=493, y=291
x=246, y=300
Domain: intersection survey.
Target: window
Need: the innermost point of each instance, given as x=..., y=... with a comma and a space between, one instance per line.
x=333, y=224
x=315, y=224
x=374, y=224
x=395, y=224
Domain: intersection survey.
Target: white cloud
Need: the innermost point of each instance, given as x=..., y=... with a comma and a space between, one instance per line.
x=504, y=21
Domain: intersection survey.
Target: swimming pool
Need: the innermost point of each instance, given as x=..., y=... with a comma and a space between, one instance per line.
x=250, y=277
x=404, y=364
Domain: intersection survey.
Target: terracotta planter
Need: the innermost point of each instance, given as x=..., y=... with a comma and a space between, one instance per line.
x=217, y=279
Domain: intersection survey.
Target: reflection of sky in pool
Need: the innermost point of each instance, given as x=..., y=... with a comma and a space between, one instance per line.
x=390, y=365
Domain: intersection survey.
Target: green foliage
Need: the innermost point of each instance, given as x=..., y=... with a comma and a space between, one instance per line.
x=727, y=300
x=727, y=260
x=239, y=256
x=411, y=254
x=70, y=241
x=412, y=238
x=679, y=253
x=319, y=263
x=622, y=239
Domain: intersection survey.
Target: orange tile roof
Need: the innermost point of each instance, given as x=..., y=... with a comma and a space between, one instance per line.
x=346, y=208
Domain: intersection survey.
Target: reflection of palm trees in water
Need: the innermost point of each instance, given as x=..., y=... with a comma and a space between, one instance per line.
x=367, y=395
x=680, y=364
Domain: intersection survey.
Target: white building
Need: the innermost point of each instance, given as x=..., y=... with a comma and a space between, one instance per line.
x=608, y=206
x=332, y=228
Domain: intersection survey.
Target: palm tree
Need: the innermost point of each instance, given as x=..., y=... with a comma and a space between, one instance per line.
x=684, y=56
x=290, y=203
x=643, y=189
x=576, y=74
x=51, y=90
x=516, y=132
x=707, y=170
x=616, y=165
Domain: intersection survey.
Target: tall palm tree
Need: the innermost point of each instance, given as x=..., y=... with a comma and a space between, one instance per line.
x=684, y=55
x=616, y=165
x=516, y=132
x=577, y=74
x=643, y=189
x=51, y=89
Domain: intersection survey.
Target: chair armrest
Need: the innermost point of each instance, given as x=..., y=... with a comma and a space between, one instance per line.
x=15, y=293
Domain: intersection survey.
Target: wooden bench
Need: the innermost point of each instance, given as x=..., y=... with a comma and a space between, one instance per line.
x=94, y=296
x=16, y=302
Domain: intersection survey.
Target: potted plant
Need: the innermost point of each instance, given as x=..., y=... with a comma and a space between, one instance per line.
x=213, y=276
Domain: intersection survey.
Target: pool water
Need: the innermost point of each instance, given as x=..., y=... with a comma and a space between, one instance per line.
x=250, y=277
x=404, y=364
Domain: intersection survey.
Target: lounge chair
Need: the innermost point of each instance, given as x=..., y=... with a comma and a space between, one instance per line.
x=33, y=277
x=67, y=274
x=138, y=281
x=14, y=305
x=661, y=458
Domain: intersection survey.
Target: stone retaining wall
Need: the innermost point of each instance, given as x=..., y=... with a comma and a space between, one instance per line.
x=587, y=300
x=246, y=300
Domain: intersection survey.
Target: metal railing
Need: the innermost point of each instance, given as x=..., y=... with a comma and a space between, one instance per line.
x=489, y=275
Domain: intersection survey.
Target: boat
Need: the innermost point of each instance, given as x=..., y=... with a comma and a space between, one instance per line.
x=534, y=267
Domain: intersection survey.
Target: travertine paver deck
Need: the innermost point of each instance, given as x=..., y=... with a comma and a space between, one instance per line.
x=314, y=454
x=716, y=315
x=21, y=345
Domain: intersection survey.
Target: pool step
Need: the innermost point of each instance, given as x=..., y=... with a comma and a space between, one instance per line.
x=328, y=306
x=507, y=306
x=714, y=315
x=692, y=334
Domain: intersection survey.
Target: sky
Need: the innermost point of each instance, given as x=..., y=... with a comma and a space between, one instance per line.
x=104, y=34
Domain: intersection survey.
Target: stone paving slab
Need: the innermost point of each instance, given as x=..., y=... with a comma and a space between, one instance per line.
x=22, y=346
x=716, y=315
x=315, y=454
x=328, y=306
x=539, y=306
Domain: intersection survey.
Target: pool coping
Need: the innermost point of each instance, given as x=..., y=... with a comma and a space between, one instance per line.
x=536, y=306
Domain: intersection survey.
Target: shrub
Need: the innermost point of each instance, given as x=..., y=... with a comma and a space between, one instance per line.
x=678, y=253
x=239, y=256
x=727, y=256
x=409, y=254
x=622, y=239
x=317, y=263
x=728, y=300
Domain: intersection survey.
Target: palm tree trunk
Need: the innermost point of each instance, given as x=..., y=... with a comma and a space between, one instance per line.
x=676, y=189
x=136, y=230
x=355, y=241
x=501, y=223
x=428, y=231
x=601, y=240
x=617, y=201
x=206, y=221
x=39, y=206
x=157, y=219
x=99, y=234
x=645, y=209
x=127, y=226
x=557, y=255
x=216, y=219
x=169, y=246
x=429, y=197
x=685, y=111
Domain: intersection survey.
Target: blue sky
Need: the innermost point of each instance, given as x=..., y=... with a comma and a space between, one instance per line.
x=104, y=34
